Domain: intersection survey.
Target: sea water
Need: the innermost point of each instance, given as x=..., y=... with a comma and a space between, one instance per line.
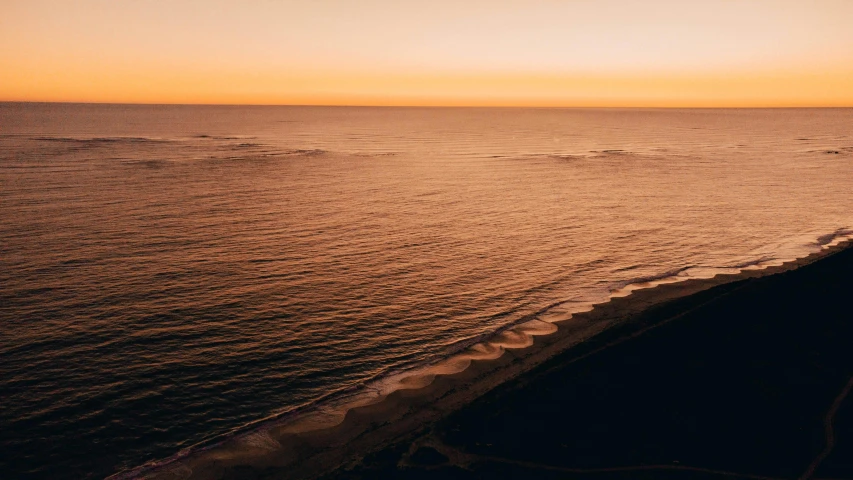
x=170, y=275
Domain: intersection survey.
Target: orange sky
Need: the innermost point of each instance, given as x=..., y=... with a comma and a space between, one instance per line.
x=398, y=52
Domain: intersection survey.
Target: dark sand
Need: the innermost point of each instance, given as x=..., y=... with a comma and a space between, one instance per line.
x=746, y=385
x=745, y=379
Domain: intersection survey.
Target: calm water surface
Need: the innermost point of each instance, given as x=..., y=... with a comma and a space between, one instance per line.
x=171, y=274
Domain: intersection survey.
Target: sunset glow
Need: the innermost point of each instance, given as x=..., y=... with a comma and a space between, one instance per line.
x=578, y=53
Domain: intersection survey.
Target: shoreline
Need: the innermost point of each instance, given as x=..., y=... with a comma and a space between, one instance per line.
x=339, y=434
x=750, y=380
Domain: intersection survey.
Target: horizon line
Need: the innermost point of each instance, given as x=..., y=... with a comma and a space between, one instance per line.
x=403, y=105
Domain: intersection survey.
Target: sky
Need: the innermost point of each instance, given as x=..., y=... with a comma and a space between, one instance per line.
x=652, y=53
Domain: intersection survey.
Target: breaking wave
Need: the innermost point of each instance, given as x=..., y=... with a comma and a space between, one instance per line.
x=330, y=409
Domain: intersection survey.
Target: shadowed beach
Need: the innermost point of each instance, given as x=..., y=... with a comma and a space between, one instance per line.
x=745, y=380
x=748, y=379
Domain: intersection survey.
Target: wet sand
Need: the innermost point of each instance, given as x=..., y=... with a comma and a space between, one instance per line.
x=739, y=376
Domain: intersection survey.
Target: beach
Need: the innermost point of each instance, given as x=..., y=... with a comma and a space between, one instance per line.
x=749, y=379
x=740, y=376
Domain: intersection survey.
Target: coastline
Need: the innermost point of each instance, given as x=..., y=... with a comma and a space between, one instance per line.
x=341, y=434
x=747, y=380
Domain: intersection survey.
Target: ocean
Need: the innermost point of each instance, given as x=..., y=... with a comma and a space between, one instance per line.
x=171, y=276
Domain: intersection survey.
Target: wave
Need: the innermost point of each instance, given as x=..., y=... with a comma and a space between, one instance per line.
x=565, y=156
x=610, y=153
x=101, y=140
x=830, y=237
x=293, y=152
x=254, y=152
x=374, y=154
x=752, y=263
x=221, y=137
x=305, y=152
x=831, y=150
x=591, y=154
x=655, y=277
x=331, y=409
x=543, y=156
x=148, y=163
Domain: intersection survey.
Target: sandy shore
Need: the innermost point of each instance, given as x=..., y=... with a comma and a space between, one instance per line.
x=730, y=377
